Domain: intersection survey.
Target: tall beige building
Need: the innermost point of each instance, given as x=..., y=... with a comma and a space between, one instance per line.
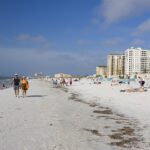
x=116, y=65
x=101, y=71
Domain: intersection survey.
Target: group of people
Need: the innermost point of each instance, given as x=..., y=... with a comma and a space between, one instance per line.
x=119, y=82
x=62, y=82
x=20, y=83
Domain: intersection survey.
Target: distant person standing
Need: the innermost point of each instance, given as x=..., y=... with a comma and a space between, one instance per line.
x=16, y=84
x=70, y=81
x=55, y=83
x=66, y=82
x=63, y=82
x=4, y=85
x=128, y=80
x=24, y=86
x=142, y=82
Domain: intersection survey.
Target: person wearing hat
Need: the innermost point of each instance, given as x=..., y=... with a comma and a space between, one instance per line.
x=16, y=84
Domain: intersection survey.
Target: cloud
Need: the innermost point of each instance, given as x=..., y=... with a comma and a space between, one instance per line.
x=137, y=42
x=24, y=37
x=39, y=39
x=113, y=41
x=116, y=10
x=36, y=39
x=143, y=28
x=29, y=61
x=85, y=42
x=95, y=21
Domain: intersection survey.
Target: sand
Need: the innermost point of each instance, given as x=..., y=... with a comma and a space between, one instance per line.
x=135, y=105
x=73, y=118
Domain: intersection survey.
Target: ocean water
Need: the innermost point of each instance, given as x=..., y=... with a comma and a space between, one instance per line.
x=6, y=80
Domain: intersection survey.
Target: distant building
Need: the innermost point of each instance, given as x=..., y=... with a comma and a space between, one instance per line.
x=39, y=75
x=137, y=61
x=62, y=75
x=101, y=71
x=116, y=65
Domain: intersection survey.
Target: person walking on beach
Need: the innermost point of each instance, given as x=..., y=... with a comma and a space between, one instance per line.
x=128, y=80
x=55, y=82
x=142, y=82
x=24, y=86
x=16, y=84
x=66, y=82
x=70, y=81
x=63, y=82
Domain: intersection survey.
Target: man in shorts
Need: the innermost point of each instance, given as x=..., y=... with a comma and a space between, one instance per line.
x=16, y=84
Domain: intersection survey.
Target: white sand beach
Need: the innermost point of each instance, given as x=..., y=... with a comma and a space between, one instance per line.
x=80, y=117
x=135, y=105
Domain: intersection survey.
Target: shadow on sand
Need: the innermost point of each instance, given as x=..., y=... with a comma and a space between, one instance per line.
x=36, y=96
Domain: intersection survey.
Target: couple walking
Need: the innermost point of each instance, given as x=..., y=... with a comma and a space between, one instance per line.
x=20, y=83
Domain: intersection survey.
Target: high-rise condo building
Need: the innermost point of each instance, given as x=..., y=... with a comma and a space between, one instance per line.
x=116, y=65
x=137, y=61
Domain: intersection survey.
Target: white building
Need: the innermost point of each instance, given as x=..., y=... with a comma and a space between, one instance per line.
x=137, y=61
x=62, y=75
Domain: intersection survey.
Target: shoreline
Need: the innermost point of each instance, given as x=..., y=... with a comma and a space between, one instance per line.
x=5, y=88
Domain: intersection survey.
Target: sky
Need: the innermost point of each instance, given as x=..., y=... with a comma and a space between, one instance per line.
x=70, y=36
